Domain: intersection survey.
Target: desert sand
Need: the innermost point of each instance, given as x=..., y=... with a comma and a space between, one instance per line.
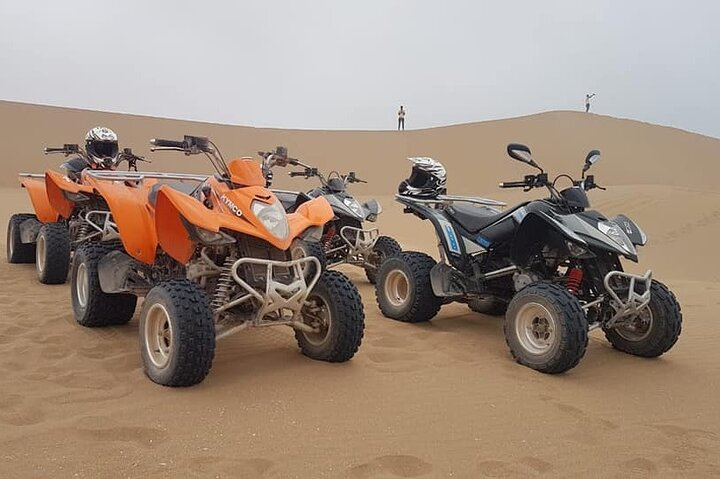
x=442, y=399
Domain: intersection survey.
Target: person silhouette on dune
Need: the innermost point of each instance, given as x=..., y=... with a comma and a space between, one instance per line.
x=587, y=102
x=401, y=118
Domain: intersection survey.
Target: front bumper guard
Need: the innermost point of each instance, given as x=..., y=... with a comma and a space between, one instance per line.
x=634, y=302
x=363, y=241
x=282, y=302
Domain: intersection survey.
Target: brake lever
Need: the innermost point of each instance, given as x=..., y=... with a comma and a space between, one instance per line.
x=165, y=148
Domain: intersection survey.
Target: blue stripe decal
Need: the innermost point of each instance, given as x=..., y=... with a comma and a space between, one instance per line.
x=451, y=239
x=484, y=242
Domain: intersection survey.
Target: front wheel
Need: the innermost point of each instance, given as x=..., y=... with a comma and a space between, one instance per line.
x=404, y=291
x=53, y=253
x=334, y=309
x=654, y=330
x=546, y=329
x=303, y=249
x=177, y=334
x=384, y=248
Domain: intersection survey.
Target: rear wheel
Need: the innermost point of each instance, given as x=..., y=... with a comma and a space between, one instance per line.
x=403, y=290
x=177, y=334
x=654, y=330
x=384, y=248
x=17, y=251
x=93, y=307
x=303, y=249
x=546, y=329
x=335, y=310
x=53, y=253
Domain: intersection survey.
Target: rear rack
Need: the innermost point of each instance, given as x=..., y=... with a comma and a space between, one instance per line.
x=449, y=199
x=141, y=176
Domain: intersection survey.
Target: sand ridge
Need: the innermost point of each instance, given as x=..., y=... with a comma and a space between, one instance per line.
x=442, y=399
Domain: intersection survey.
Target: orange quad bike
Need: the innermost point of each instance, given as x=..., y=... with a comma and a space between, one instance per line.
x=67, y=213
x=210, y=259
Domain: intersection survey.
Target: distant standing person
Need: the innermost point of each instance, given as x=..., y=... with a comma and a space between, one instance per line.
x=587, y=102
x=401, y=118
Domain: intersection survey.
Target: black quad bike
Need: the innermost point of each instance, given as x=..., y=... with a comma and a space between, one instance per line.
x=552, y=266
x=67, y=214
x=344, y=239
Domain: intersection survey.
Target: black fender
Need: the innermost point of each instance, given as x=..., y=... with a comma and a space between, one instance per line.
x=450, y=240
x=537, y=227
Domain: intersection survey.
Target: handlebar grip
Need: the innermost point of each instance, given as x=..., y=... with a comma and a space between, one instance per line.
x=54, y=150
x=167, y=143
x=512, y=184
x=296, y=173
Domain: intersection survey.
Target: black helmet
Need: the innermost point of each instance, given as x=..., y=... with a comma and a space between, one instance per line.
x=101, y=145
x=427, y=180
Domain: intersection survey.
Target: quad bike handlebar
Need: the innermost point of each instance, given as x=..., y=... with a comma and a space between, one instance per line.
x=310, y=172
x=74, y=149
x=158, y=142
x=67, y=149
x=194, y=145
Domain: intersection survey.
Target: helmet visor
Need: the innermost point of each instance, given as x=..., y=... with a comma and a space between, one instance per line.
x=102, y=149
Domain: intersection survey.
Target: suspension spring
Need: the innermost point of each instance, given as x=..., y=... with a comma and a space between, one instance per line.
x=329, y=236
x=82, y=231
x=574, y=279
x=224, y=285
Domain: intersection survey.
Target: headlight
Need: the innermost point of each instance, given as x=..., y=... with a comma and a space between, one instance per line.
x=576, y=250
x=272, y=216
x=613, y=231
x=354, y=206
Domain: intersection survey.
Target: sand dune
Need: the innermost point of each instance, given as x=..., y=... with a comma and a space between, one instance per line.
x=442, y=399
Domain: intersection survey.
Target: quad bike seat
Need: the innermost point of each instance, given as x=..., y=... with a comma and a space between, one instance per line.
x=178, y=186
x=474, y=218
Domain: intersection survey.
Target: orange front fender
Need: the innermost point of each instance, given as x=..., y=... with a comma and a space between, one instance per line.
x=44, y=210
x=55, y=185
x=133, y=216
x=170, y=209
x=315, y=212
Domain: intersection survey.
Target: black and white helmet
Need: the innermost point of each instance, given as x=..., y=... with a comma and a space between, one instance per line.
x=101, y=145
x=427, y=180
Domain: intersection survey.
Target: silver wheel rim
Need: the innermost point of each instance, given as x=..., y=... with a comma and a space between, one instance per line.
x=397, y=287
x=158, y=335
x=536, y=328
x=82, y=286
x=11, y=240
x=40, y=253
x=638, y=328
x=318, y=316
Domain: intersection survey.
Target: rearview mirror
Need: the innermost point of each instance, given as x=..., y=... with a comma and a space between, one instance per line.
x=521, y=153
x=590, y=159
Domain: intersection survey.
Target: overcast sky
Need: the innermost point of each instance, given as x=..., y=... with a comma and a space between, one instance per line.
x=350, y=64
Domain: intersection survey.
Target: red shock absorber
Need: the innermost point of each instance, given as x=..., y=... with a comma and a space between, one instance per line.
x=574, y=278
x=327, y=240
